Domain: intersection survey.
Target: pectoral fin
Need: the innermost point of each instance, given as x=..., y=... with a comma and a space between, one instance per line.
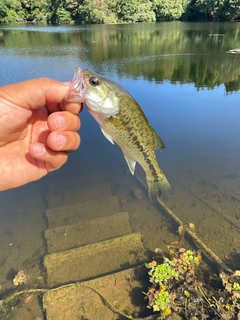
x=158, y=141
x=131, y=164
x=107, y=136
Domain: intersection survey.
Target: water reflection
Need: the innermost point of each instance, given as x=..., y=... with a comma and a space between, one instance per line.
x=182, y=52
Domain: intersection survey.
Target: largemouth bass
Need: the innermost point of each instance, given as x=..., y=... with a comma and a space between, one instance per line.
x=122, y=120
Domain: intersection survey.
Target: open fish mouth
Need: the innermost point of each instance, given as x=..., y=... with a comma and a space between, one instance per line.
x=77, y=87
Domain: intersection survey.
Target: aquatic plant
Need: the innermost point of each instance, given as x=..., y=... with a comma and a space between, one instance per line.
x=162, y=273
x=20, y=278
x=176, y=287
x=166, y=278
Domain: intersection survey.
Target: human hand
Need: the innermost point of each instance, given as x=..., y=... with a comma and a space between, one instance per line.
x=36, y=130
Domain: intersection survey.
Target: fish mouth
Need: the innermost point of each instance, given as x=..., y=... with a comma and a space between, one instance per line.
x=77, y=87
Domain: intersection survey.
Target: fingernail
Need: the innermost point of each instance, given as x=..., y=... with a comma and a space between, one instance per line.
x=61, y=140
x=38, y=148
x=60, y=122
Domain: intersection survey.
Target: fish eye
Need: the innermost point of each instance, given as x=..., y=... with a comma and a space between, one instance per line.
x=94, y=81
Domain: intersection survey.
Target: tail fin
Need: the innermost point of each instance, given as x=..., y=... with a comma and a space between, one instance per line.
x=158, y=187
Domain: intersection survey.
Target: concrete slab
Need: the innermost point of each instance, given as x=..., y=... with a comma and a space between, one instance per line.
x=82, y=211
x=86, y=232
x=73, y=181
x=71, y=196
x=92, y=299
x=94, y=260
x=206, y=203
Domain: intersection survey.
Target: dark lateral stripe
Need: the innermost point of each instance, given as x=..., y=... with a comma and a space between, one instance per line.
x=145, y=156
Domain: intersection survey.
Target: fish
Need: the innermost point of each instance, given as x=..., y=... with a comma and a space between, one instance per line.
x=122, y=121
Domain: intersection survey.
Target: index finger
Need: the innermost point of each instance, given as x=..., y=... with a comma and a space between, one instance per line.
x=36, y=93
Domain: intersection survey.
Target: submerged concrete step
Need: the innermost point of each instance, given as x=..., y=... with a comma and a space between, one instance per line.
x=94, y=260
x=58, y=183
x=86, y=232
x=80, y=301
x=71, y=196
x=82, y=211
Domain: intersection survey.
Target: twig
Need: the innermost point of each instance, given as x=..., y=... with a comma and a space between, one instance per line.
x=107, y=302
x=221, y=264
x=211, y=305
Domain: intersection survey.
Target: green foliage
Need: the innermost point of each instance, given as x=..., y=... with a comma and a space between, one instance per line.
x=213, y=10
x=186, y=293
x=97, y=11
x=162, y=273
x=4, y=8
x=107, y=11
x=59, y=12
x=164, y=277
x=92, y=12
x=17, y=11
x=63, y=16
x=138, y=10
x=236, y=286
x=11, y=16
x=100, y=11
x=161, y=301
x=170, y=9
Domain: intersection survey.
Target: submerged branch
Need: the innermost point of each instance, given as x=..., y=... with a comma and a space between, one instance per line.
x=192, y=234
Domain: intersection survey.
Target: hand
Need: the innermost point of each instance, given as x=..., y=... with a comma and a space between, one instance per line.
x=36, y=130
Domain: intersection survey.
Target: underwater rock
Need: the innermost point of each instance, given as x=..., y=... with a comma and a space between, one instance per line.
x=138, y=193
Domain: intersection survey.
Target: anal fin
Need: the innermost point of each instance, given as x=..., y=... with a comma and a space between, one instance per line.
x=131, y=164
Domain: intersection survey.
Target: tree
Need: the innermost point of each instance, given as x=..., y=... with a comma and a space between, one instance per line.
x=63, y=16
x=229, y=10
x=213, y=10
x=169, y=9
x=54, y=13
x=35, y=10
x=112, y=11
x=3, y=11
x=90, y=12
x=8, y=10
x=135, y=10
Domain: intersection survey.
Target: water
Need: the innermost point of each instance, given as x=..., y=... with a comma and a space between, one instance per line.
x=188, y=87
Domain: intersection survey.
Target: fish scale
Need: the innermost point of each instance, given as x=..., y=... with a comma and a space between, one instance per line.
x=135, y=139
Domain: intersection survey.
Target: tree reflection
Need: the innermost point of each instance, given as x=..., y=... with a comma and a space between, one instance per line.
x=178, y=52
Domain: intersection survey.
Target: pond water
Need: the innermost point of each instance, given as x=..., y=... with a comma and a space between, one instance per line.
x=188, y=87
